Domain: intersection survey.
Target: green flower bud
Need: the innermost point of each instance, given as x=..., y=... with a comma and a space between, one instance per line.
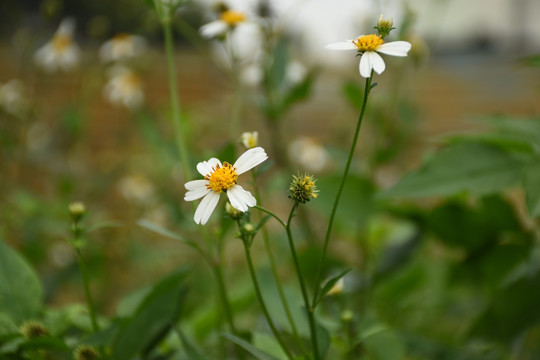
x=249, y=228
x=232, y=211
x=303, y=188
x=77, y=210
x=384, y=26
x=85, y=352
x=33, y=329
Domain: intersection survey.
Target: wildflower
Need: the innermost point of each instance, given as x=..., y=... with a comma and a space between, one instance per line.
x=124, y=88
x=303, y=188
x=86, y=352
x=137, y=188
x=77, y=210
x=12, y=98
x=32, y=329
x=228, y=20
x=122, y=47
x=249, y=139
x=368, y=46
x=308, y=153
x=222, y=177
x=61, y=53
x=384, y=26
x=337, y=288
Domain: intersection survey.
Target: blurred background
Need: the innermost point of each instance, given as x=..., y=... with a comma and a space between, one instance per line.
x=65, y=138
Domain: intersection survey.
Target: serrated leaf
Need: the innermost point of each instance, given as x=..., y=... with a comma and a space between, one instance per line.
x=330, y=284
x=152, y=320
x=467, y=167
x=258, y=353
x=21, y=294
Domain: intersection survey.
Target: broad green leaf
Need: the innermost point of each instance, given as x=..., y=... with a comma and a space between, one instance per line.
x=152, y=320
x=21, y=294
x=258, y=353
x=531, y=183
x=7, y=326
x=329, y=284
x=467, y=167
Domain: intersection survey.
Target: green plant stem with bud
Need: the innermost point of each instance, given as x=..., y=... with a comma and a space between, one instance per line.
x=247, y=240
x=273, y=267
x=309, y=309
x=322, y=260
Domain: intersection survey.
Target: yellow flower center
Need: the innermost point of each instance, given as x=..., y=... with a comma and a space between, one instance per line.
x=122, y=36
x=60, y=42
x=223, y=178
x=232, y=18
x=368, y=42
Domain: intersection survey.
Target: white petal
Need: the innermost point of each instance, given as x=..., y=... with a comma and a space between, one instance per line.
x=240, y=199
x=213, y=29
x=206, y=208
x=206, y=167
x=342, y=45
x=395, y=48
x=377, y=62
x=250, y=159
x=365, y=66
x=196, y=190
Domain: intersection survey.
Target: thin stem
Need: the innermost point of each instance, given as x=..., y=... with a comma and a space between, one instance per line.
x=216, y=269
x=89, y=302
x=261, y=300
x=367, y=90
x=273, y=266
x=179, y=128
x=309, y=309
x=271, y=214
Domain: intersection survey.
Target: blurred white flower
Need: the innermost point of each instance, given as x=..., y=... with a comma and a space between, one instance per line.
x=13, y=99
x=338, y=288
x=137, y=188
x=124, y=88
x=61, y=52
x=228, y=20
x=249, y=139
x=309, y=154
x=122, y=47
x=369, y=46
x=295, y=72
x=222, y=177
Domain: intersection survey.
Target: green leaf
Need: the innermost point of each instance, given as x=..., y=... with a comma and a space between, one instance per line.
x=467, y=167
x=45, y=342
x=152, y=320
x=329, y=284
x=531, y=184
x=21, y=294
x=354, y=93
x=192, y=352
x=259, y=354
x=161, y=231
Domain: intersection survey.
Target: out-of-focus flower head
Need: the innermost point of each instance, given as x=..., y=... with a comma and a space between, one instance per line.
x=249, y=139
x=61, y=52
x=124, y=88
x=227, y=21
x=137, y=188
x=303, y=188
x=13, y=99
x=309, y=154
x=122, y=47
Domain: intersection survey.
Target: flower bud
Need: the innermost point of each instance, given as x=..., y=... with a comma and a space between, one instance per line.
x=33, y=329
x=85, y=352
x=384, y=26
x=347, y=315
x=77, y=210
x=232, y=211
x=248, y=228
x=337, y=288
x=303, y=188
x=249, y=139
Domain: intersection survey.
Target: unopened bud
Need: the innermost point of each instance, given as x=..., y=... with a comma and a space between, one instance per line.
x=384, y=26
x=249, y=139
x=249, y=228
x=232, y=211
x=77, y=210
x=347, y=315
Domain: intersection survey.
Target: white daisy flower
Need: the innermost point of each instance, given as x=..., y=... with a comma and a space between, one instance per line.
x=228, y=20
x=124, y=88
x=61, y=53
x=122, y=47
x=369, y=46
x=222, y=177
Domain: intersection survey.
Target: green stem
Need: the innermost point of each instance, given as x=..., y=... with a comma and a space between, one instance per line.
x=261, y=300
x=179, y=127
x=275, y=273
x=309, y=309
x=89, y=302
x=216, y=269
x=367, y=90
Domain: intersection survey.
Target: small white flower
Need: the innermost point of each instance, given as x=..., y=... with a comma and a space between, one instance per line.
x=369, y=46
x=309, y=154
x=61, y=53
x=222, y=177
x=249, y=139
x=12, y=98
x=228, y=20
x=124, y=88
x=122, y=47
